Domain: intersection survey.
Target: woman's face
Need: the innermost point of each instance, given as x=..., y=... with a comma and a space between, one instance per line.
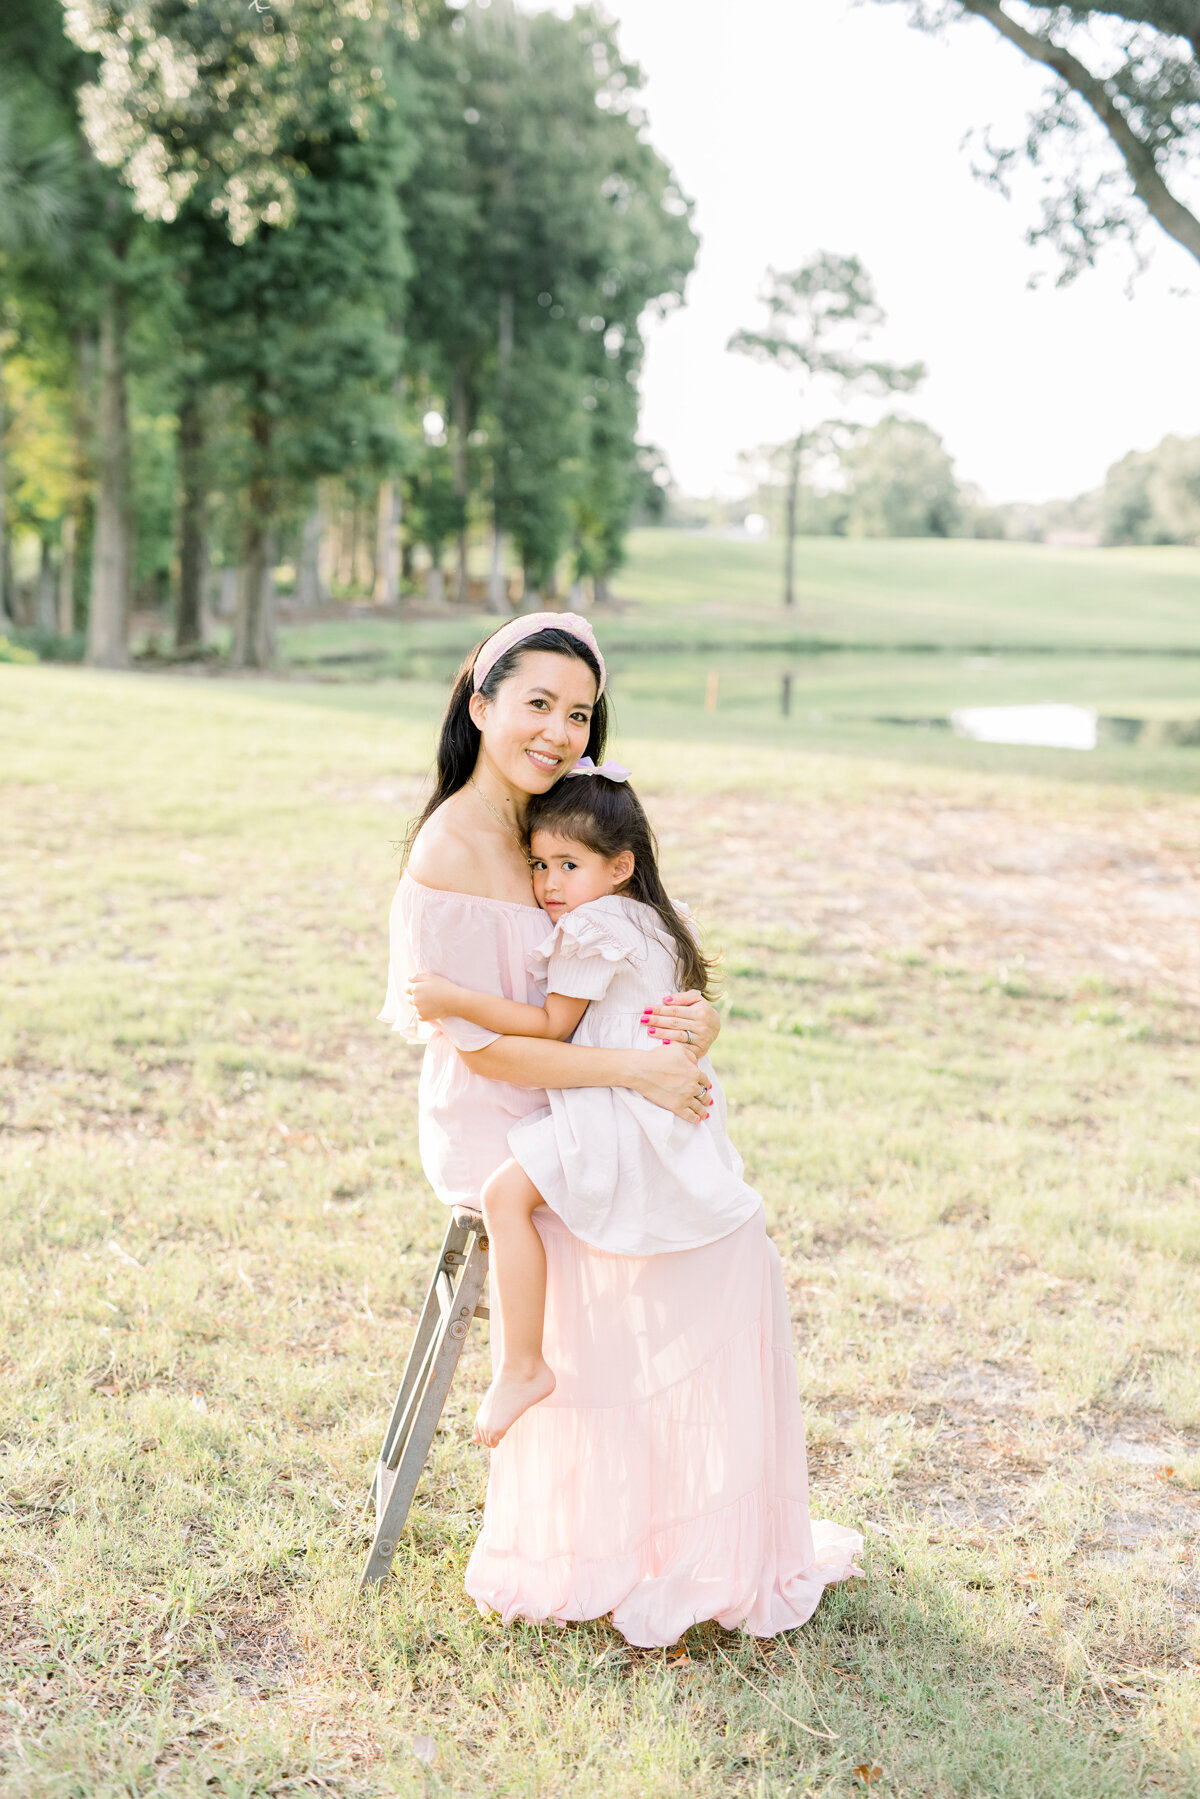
x=536, y=725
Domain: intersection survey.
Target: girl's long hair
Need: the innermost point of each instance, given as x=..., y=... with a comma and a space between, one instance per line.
x=458, y=739
x=608, y=817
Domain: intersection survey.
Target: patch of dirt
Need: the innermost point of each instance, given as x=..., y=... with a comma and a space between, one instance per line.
x=988, y=886
x=260, y=1656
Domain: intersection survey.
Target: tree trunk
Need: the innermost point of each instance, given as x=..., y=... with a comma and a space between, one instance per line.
x=435, y=586
x=193, y=523
x=45, y=604
x=367, y=538
x=109, y=603
x=66, y=578
x=789, y=546
x=327, y=556
x=352, y=558
x=531, y=598
x=254, y=631
x=79, y=519
x=577, y=599
x=345, y=563
x=254, y=628
x=387, y=552
x=601, y=591
x=497, y=589
x=228, y=582
x=4, y=604
x=309, y=590
x=18, y=610
x=460, y=417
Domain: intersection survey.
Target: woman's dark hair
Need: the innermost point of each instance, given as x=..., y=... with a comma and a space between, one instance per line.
x=458, y=740
x=608, y=817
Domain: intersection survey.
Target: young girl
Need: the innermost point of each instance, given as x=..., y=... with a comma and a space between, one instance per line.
x=624, y=1175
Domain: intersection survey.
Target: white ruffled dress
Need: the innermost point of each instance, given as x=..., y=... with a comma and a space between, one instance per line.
x=623, y=1174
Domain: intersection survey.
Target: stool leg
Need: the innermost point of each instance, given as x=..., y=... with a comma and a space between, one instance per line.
x=416, y=1413
x=453, y=1244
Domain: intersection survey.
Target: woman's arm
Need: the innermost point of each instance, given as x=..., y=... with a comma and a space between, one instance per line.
x=434, y=997
x=674, y=1015
x=668, y=1077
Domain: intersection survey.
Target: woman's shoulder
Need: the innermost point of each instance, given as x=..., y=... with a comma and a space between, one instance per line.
x=443, y=858
x=455, y=857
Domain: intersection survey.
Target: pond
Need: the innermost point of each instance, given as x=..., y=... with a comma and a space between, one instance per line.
x=1052, y=726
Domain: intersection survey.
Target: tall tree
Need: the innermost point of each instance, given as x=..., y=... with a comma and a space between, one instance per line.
x=900, y=482
x=227, y=118
x=542, y=224
x=1129, y=70
x=1153, y=496
x=819, y=320
x=296, y=324
x=37, y=212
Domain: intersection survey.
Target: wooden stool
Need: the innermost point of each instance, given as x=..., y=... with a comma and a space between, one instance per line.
x=450, y=1304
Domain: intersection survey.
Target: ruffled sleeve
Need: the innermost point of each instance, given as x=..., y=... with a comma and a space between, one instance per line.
x=581, y=955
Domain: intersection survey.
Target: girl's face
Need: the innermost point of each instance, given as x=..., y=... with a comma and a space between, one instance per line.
x=536, y=725
x=567, y=874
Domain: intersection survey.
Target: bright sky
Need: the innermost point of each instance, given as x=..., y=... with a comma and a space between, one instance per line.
x=802, y=125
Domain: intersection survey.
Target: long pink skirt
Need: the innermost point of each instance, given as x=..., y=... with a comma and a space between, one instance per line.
x=665, y=1480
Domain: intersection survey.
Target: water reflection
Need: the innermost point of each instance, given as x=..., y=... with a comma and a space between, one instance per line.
x=1052, y=727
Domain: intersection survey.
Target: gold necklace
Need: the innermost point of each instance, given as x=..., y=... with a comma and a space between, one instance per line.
x=498, y=816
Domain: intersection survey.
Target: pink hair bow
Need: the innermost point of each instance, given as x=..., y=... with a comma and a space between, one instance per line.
x=612, y=771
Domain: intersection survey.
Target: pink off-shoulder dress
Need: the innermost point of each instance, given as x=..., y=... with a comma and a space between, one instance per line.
x=664, y=1481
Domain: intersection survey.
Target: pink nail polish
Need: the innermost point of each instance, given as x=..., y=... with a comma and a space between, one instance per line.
x=651, y=1030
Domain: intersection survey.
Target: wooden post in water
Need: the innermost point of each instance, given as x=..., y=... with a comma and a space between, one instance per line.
x=712, y=689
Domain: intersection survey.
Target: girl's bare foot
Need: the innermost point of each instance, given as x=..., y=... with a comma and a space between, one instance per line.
x=508, y=1396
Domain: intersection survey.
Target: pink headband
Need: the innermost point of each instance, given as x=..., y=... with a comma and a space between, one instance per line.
x=518, y=629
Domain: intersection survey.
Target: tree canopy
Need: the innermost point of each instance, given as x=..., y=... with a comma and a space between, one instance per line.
x=1125, y=80
x=348, y=282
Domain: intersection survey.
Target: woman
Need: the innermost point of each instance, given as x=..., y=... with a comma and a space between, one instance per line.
x=664, y=1480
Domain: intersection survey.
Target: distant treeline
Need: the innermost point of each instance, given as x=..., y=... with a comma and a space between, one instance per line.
x=896, y=479
x=356, y=298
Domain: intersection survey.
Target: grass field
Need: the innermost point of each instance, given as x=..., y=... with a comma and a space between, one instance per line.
x=960, y=1049
x=915, y=591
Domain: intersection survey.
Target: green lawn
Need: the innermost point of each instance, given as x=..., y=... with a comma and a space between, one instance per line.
x=960, y=1049
x=915, y=592
x=694, y=591
x=888, y=640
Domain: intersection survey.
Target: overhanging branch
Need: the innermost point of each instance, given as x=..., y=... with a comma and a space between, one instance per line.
x=1174, y=217
x=1177, y=18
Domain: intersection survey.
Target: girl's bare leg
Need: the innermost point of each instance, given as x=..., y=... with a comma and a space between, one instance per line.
x=518, y=1263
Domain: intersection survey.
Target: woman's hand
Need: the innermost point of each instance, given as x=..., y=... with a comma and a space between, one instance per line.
x=670, y=1078
x=432, y=997
x=678, y=1014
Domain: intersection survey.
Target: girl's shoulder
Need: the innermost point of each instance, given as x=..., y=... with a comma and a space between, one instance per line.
x=615, y=909
x=631, y=918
